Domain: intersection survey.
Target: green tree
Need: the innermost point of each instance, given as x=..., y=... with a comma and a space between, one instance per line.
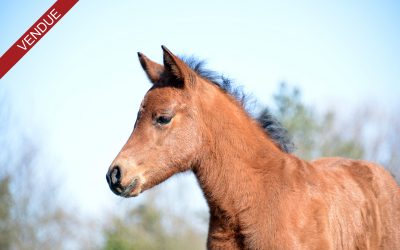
x=370, y=133
x=144, y=227
x=5, y=210
x=314, y=135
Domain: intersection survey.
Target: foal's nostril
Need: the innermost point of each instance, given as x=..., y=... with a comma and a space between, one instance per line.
x=108, y=178
x=115, y=175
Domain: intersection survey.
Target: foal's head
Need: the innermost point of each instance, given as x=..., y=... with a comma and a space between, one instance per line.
x=166, y=138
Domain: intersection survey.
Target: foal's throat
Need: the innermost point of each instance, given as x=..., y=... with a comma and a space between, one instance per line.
x=236, y=161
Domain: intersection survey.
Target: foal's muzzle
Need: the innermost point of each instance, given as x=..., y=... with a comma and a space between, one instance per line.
x=114, y=177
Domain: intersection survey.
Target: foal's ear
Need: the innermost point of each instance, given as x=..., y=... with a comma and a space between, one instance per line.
x=153, y=70
x=175, y=66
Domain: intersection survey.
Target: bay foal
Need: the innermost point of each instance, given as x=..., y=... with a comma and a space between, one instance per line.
x=259, y=195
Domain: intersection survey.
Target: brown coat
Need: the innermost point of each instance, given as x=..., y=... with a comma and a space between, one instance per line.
x=260, y=197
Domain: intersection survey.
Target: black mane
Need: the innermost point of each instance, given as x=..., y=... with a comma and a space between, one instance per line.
x=267, y=121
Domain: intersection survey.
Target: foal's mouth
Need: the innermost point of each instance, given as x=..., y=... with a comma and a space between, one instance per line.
x=132, y=189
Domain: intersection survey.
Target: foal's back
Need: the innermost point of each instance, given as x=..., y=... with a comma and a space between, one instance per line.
x=355, y=205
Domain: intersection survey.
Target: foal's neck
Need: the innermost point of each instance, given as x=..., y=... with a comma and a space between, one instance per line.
x=238, y=158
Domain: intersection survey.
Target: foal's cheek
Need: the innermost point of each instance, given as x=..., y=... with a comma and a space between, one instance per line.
x=191, y=142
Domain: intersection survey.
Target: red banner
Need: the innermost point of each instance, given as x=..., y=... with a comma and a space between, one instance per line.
x=34, y=34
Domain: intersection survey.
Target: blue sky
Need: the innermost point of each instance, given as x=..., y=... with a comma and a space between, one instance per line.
x=80, y=87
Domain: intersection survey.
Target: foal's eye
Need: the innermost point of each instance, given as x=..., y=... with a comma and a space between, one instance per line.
x=162, y=120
